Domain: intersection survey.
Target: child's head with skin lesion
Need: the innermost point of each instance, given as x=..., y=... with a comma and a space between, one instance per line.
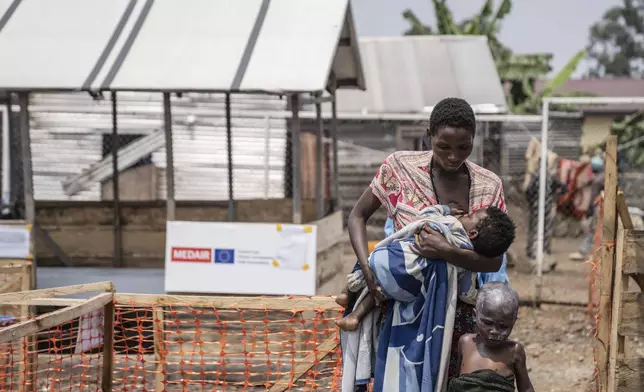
x=490, y=230
x=497, y=308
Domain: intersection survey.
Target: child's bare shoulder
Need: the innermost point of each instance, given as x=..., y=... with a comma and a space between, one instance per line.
x=466, y=340
x=516, y=351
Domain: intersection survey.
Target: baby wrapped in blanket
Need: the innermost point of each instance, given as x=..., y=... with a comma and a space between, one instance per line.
x=488, y=231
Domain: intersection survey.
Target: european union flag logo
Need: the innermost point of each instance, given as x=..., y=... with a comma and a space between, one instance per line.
x=224, y=256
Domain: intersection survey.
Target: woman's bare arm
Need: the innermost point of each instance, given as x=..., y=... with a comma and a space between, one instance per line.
x=472, y=261
x=433, y=245
x=357, y=225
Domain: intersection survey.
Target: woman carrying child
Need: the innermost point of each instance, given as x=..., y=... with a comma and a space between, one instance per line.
x=409, y=181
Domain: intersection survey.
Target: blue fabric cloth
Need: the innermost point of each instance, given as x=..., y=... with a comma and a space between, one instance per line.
x=499, y=276
x=483, y=277
x=410, y=344
x=389, y=227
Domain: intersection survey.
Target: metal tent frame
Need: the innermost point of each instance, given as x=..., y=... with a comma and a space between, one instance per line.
x=307, y=49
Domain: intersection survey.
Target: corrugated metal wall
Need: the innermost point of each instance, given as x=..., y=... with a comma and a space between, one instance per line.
x=67, y=137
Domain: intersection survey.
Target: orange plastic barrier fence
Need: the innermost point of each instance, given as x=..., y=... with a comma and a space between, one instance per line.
x=227, y=344
x=173, y=343
x=67, y=356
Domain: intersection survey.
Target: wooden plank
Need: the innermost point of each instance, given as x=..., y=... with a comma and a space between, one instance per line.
x=622, y=209
x=630, y=375
x=57, y=291
x=607, y=262
x=25, y=345
x=49, y=242
x=108, y=343
x=8, y=263
x=10, y=270
x=305, y=365
x=634, y=253
x=45, y=302
x=159, y=349
x=616, y=342
x=329, y=231
x=632, y=314
x=50, y=320
x=11, y=287
x=273, y=303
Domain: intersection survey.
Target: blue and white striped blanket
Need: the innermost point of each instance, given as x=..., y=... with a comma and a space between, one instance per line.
x=413, y=347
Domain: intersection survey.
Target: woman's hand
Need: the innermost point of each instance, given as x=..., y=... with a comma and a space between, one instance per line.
x=431, y=245
x=374, y=289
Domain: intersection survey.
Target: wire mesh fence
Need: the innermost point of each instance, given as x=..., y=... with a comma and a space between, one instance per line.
x=78, y=149
x=80, y=130
x=73, y=144
x=226, y=344
x=167, y=343
x=59, y=350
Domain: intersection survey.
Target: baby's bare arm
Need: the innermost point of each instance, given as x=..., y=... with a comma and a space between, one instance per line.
x=521, y=370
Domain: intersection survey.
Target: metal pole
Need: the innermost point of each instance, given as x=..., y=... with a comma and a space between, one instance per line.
x=118, y=254
x=6, y=153
x=267, y=160
x=319, y=184
x=543, y=173
x=229, y=143
x=169, y=159
x=295, y=158
x=27, y=174
x=334, y=142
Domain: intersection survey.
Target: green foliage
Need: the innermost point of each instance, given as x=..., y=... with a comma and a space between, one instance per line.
x=532, y=104
x=616, y=49
x=616, y=46
x=630, y=136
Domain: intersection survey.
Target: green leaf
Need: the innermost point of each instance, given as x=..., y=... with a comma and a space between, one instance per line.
x=501, y=12
x=416, y=27
x=564, y=75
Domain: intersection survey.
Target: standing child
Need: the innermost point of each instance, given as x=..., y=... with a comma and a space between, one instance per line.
x=488, y=361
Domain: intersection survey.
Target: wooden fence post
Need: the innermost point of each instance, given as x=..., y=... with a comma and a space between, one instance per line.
x=159, y=349
x=108, y=345
x=29, y=344
x=607, y=262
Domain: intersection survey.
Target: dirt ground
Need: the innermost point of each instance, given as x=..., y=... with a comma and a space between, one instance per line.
x=558, y=339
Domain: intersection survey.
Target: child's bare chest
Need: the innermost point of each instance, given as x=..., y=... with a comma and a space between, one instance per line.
x=500, y=362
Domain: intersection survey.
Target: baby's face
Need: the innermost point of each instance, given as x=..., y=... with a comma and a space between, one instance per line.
x=470, y=221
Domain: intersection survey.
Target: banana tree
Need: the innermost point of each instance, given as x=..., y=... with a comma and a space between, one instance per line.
x=630, y=136
x=532, y=102
x=515, y=69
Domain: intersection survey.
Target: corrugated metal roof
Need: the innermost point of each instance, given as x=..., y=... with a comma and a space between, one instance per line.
x=178, y=45
x=407, y=74
x=602, y=87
